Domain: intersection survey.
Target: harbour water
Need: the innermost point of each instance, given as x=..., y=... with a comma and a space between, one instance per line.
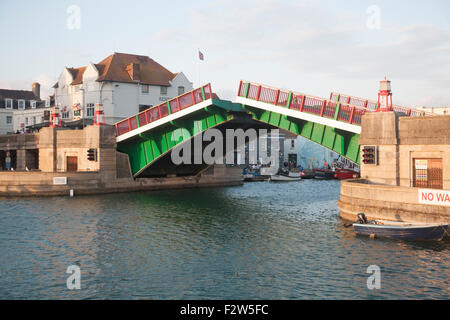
x=258, y=241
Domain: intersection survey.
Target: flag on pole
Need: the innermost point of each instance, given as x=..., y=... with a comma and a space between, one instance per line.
x=200, y=55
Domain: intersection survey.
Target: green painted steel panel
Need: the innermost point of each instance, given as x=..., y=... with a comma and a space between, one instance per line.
x=307, y=129
x=294, y=128
x=211, y=120
x=317, y=133
x=148, y=151
x=339, y=144
x=328, y=137
x=265, y=116
x=274, y=119
x=156, y=150
x=163, y=143
x=170, y=138
x=284, y=123
x=352, y=147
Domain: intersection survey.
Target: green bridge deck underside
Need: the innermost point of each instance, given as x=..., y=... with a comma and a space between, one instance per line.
x=146, y=148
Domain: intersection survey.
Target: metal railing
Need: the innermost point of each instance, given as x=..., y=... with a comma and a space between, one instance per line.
x=340, y=111
x=164, y=109
x=371, y=105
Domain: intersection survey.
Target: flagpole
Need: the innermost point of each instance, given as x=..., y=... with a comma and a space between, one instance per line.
x=198, y=67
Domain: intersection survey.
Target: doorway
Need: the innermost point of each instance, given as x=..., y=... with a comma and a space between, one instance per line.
x=72, y=164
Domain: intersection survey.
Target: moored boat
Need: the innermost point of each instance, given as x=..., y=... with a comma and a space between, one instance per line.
x=343, y=174
x=284, y=178
x=307, y=174
x=400, y=230
x=323, y=174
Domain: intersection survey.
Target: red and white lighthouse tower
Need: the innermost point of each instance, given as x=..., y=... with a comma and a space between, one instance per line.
x=55, y=119
x=99, y=116
x=385, y=96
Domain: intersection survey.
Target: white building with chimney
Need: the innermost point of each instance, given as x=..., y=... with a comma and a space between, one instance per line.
x=20, y=109
x=123, y=83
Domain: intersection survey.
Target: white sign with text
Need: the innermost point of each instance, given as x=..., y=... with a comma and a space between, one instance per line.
x=434, y=197
x=60, y=180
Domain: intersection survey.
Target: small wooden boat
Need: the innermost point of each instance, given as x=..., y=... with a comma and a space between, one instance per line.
x=400, y=230
x=283, y=178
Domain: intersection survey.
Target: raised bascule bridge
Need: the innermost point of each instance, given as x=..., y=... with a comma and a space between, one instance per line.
x=149, y=137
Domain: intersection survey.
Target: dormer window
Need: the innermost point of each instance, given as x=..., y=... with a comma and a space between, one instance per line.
x=8, y=103
x=33, y=104
x=21, y=104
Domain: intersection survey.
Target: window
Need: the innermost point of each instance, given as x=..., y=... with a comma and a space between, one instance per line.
x=292, y=144
x=180, y=90
x=427, y=173
x=144, y=88
x=21, y=104
x=65, y=115
x=8, y=103
x=90, y=110
x=143, y=107
x=26, y=121
x=163, y=91
x=33, y=121
x=33, y=104
x=42, y=119
x=8, y=119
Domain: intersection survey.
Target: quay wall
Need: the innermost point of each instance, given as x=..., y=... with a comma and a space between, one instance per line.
x=387, y=202
x=29, y=184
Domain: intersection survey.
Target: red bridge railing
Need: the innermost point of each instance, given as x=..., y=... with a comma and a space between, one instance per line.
x=371, y=105
x=337, y=110
x=164, y=109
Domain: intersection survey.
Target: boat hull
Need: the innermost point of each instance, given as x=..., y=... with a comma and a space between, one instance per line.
x=278, y=178
x=424, y=233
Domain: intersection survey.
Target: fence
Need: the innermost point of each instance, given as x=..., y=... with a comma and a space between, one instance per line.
x=345, y=111
x=162, y=110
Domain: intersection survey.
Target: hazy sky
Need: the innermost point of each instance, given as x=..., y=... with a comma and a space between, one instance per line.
x=308, y=46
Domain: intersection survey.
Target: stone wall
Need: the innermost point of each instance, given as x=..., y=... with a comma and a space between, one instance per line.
x=386, y=190
x=387, y=203
x=400, y=139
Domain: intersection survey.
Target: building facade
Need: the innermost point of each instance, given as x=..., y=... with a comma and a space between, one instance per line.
x=123, y=84
x=436, y=110
x=22, y=108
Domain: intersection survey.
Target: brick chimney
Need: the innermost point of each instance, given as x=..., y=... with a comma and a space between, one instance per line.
x=134, y=71
x=36, y=88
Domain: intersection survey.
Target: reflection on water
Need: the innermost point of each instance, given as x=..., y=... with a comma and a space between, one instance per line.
x=258, y=241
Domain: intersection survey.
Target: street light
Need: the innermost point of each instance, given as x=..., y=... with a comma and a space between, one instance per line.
x=84, y=108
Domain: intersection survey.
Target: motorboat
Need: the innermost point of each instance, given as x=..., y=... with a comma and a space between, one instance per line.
x=400, y=230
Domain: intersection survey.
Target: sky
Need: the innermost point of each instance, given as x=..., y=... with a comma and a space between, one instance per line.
x=308, y=46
